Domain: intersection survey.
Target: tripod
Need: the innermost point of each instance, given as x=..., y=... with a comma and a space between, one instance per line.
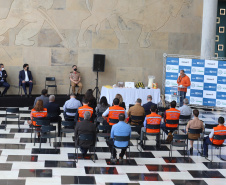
x=97, y=88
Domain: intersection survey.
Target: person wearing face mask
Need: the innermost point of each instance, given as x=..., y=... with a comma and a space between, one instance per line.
x=75, y=78
x=25, y=79
x=3, y=83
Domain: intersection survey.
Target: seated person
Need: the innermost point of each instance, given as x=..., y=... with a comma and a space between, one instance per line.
x=121, y=103
x=85, y=127
x=147, y=106
x=25, y=79
x=91, y=99
x=73, y=103
x=54, y=112
x=119, y=129
x=136, y=110
x=37, y=112
x=75, y=78
x=185, y=110
x=170, y=114
x=43, y=97
x=101, y=107
x=194, y=124
x=3, y=82
x=83, y=109
x=163, y=103
x=113, y=112
x=152, y=119
x=218, y=130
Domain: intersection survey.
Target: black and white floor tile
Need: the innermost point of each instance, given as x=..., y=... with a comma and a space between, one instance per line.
x=21, y=163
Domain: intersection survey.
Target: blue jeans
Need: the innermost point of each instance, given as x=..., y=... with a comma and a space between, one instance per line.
x=206, y=142
x=182, y=95
x=6, y=85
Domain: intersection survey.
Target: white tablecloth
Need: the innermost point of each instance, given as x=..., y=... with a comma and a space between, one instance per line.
x=130, y=95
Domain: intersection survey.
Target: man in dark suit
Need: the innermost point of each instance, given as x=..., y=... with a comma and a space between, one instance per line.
x=147, y=106
x=3, y=83
x=43, y=97
x=25, y=79
x=53, y=110
x=85, y=127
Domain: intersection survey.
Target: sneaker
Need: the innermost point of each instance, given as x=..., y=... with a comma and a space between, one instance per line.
x=113, y=160
x=191, y=150
x=170, y=137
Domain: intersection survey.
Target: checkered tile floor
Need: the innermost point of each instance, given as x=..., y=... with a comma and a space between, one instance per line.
x=21, y=163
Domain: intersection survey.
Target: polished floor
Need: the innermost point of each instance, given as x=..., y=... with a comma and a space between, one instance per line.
x=21, y=163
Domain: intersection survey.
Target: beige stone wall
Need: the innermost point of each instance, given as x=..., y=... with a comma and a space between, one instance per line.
x=52, y=35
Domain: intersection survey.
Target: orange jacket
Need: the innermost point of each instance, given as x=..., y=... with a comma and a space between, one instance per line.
x=172, y=114
x=153, y=119
x=114, y=112
x=36, y=114
x=185, y=81
x=218, y=130
x=82, y=110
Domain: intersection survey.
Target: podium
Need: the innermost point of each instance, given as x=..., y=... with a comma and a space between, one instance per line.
x=174, y=94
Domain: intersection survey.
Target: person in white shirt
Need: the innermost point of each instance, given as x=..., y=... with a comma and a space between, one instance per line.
x=25, y=79
x=73, y=103
x=185, y=110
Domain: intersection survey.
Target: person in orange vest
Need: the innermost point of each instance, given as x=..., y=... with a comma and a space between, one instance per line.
x=113, y=113
x=183, y=82
x=170, y=114
x=37, y=112
x=152, y=119
x=81, y=111
x=218, y=130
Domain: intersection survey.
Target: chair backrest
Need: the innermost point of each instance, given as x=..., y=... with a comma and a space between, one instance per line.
x=172, y=121
x=151, y=126
x=135, y=128
x=48, y=128
x=99, y=114
x=68, y=123
x=122, y=138
x=12, y=110
x=40, y=118
x=137, y=118
x=185, y=117
x=194, y=131
x=71, y=110
x=50, y=79
x=43, y=122
x=180, y=137
x=86, y=137
x=104, y=127
x=219, y=137
x=210, y=126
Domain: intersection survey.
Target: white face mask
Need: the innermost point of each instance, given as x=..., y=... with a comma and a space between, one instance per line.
x=3, y=68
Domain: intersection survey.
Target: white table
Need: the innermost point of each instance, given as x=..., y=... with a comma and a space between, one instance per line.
x=130, y=95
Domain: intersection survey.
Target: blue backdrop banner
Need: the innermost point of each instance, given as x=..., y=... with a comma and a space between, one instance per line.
x=208, y=80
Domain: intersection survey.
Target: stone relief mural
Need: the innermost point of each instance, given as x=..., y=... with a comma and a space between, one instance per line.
x=150, y=14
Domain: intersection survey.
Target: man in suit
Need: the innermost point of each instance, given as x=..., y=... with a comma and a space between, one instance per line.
x=85, y=127
x=43, y=97
x=53, y=110
x=25, y=79
x=3, y=83
x=147, y=106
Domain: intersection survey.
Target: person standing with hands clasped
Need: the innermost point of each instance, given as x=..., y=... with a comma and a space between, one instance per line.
x=183, y=82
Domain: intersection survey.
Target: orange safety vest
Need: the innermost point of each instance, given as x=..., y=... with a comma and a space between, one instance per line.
x=82, y=110
x=38, y=114
x=153, y=119
x=218, y=130
x=114, y=112
x=172, y=114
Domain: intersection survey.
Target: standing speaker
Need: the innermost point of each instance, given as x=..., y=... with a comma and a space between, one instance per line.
x=98, y=62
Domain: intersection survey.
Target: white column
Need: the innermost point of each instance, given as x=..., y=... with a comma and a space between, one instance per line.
x=209, y=28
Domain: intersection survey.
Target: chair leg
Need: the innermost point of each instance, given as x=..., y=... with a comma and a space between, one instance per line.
x=40, y=143
x=5, y=122
x=35, y=138
x=211, y=154
x=50, y=141
x=129, y=155
x=94, y=157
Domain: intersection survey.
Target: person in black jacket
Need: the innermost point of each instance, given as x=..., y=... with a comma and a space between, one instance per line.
x=85, y=127
x=25, y=79
x=53, y=110
x=147, y=106
x=3, y=83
